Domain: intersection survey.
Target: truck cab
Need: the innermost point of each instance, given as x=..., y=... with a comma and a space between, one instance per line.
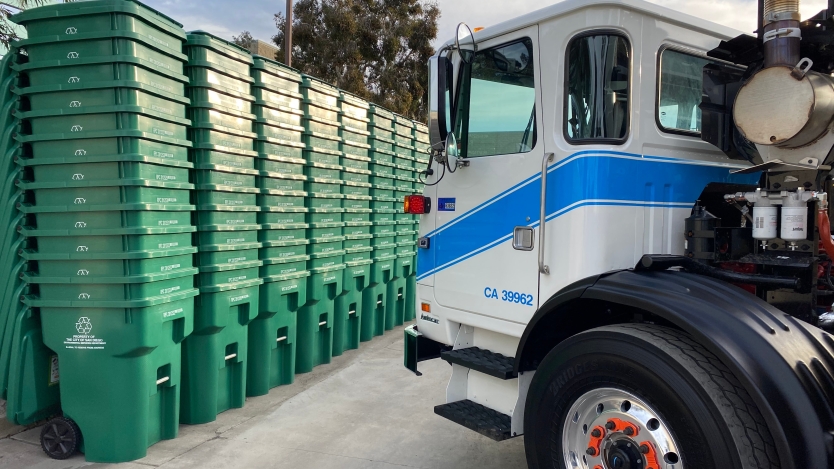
x=568, y=145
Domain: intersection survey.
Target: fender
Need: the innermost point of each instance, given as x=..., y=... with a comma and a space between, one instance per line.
x=784, y=364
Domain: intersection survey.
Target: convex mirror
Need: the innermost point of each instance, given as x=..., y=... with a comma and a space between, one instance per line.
x=465, y=43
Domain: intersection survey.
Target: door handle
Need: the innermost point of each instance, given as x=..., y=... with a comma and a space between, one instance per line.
x=523, y=238
x=544, y=269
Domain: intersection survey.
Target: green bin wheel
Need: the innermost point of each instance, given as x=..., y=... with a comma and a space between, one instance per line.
x=60, y=438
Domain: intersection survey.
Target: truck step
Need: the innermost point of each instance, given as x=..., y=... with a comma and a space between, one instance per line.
x=478, y=359
x=474, y=416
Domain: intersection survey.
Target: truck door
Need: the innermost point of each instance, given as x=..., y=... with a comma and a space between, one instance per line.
x=480, y=206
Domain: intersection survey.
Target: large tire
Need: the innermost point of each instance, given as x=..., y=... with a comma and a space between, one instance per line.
x=712, y=420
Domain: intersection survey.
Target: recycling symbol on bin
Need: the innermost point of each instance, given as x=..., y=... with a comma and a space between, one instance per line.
x=77, y=177
x=80, y=152
x=71, y=30
x=73, y=80
x=83, y=296
x=72, y=55
x=75, y=104
x=80, y=200
x=76, y=128
x=83, y=326
x=80, y=224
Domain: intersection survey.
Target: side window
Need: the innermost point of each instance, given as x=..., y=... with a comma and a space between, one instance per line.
x=497, y=104
x=679, y=92
x=597, y=82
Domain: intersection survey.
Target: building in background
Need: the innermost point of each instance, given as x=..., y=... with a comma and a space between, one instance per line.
x=262, y=48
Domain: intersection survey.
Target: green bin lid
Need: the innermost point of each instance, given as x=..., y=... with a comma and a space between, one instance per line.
x=88, y=8
x=381, y=111
x=230, y=49
x=354, y=100
x=319, y=85
x=276, y=68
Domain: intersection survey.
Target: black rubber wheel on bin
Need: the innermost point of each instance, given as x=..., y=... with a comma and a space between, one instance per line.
x=60, y=438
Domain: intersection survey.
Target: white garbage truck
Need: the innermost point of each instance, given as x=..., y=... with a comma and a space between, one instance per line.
x=625, y=247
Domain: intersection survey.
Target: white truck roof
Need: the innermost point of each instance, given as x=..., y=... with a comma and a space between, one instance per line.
x=641, y=6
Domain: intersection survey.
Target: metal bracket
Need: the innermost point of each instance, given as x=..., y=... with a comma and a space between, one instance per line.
x=799, y=71
x=781, y=32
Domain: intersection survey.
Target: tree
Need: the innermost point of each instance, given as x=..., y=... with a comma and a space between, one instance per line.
x=376, y=49
x=245, y=40
x=8, y=34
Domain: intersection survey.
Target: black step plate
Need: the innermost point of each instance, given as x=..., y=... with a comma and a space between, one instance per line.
x=474, y=416
x=490, y=363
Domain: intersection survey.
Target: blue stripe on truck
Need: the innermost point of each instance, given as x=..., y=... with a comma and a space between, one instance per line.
x=586, y=178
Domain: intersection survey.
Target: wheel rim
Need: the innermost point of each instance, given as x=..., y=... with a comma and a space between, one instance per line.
x=609, y=428
x=57, y=438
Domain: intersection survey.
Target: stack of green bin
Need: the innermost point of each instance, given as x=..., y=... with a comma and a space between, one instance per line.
x=383, y=217
x=283, y=235
x=325, y=218
x=214, y=356
x=26, y=364
x=404, y=162
x=357, y=191
x=108, y=215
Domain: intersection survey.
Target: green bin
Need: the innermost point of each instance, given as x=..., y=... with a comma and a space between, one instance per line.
x=395, y=302
x=291, y=152
x=111, y=222
x=120, y=373
x=225, y=100
x=223, y=161
x=207, y=50
x=92, y=247
x=111, y=147
x=214, y=356
x=352, y=123
x=104, y=48
x=381, y=117
x=374, y=298
x=348, y=309
x=97, y=100
x=272, y=335
x=107, y=173
x=315, y=319
x=123, y=71
x=115, y=197
x=64, y=21
x=272, y=116
x=227, y=122
x=274, y=75
x=407, y=267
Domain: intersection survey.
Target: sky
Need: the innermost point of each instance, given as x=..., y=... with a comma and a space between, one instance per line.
x=226, y=18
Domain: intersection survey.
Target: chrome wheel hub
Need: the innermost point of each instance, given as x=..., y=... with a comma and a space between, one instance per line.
x=608, y=428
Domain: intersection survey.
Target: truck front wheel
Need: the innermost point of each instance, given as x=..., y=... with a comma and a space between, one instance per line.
x=638, y=396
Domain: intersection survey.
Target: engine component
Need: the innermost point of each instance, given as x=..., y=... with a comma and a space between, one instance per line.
x=794, y=220
x=700, y=234
x=781, y=38
x=777, y=108
x=765, y=220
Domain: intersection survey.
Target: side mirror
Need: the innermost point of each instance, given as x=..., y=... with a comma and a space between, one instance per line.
x=465, y=43
x=440, y=101
x=452, y=154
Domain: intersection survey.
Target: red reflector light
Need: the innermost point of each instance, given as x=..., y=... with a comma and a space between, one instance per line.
x=416, y=204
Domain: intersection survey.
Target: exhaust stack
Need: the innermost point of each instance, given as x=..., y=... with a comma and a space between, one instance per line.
x=780, y=23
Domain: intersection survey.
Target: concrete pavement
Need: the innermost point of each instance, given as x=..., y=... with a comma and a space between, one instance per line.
x=362, y=411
